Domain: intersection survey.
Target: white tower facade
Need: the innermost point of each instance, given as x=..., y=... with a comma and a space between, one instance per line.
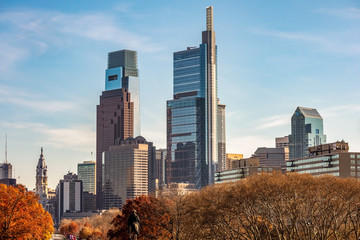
x=41, y=188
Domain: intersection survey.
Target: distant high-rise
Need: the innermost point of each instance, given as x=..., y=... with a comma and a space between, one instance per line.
x=6, y=168
x=114, y=120
x=126, y=171
x=5, y=171
x=306, y=131
x=221, y=138
x=41, y=188
x=87, y=174
x=192, y=145
x=69, y=194
x=160, y=157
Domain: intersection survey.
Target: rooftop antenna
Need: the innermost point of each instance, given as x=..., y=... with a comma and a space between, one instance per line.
x=6, y=148
x=92, y=157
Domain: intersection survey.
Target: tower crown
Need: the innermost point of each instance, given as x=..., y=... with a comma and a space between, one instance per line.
x=41, y=163
x=209, y=19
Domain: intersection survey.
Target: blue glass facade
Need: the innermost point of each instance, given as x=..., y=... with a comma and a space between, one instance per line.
x=190, y=72
x=192, y=144
x=113, y=78
x=186, y=140
x=186, y=118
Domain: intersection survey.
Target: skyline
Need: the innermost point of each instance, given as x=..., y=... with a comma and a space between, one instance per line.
x=268, y=55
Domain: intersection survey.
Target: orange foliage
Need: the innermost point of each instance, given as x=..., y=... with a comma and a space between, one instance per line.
x=69, y=229
x=21, y=216
x=151, y=217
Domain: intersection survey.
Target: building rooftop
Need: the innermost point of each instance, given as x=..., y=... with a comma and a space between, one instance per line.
x=309, y=112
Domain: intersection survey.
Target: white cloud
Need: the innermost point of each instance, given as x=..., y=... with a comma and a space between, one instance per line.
x=35, y=31
x=338, y=111
x=77, y=137
x=274, y=121
x=334, y=42
x=346, y=13
x=10, y=55
x=33, y=102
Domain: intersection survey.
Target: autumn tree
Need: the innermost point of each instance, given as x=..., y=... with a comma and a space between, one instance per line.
x=21, y=216
x=94, y=227
x=152, y=219
x=69, y=227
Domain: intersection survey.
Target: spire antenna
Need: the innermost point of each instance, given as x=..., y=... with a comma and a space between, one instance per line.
x=6, y=148
x=209, y=19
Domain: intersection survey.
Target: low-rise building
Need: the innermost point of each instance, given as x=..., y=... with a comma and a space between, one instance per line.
x=242, y=172
x=332, y=159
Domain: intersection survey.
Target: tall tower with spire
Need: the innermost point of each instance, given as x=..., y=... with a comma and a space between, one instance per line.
x=41, y=188
x=192, y=135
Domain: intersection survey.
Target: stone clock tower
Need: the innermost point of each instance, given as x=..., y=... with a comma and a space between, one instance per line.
x=41, y=188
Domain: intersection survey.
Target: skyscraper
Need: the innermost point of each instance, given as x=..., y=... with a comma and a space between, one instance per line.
x=192, y=144
x=306, y=131
x=5, y=168
x=221, y=138
x=87, y=174
x=114, y=120
x=122, y=72
x=117, y=116
x=41, y=188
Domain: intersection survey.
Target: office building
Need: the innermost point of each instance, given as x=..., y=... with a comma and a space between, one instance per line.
x=114, y=120
x=160, y=156
x=283, y=142
x=122, y=72
x=221, y=138
x=5, y=170
x=232, y=157
x=41, y=187
x=306, y=131
x=125, y=171
x=270, y=156
x=88, y=202
x=192, y=146
x=69, y=195
x=243, y=168
x=87, y=174
x=8, y=181
x=331, y=159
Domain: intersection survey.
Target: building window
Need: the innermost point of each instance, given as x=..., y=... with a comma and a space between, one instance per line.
x=112, y=77
x=317, y=131
x=352, y=155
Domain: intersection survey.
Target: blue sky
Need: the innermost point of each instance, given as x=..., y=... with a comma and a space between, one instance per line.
x=272, y=57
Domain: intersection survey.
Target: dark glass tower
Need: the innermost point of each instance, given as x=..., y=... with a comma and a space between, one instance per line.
x=306, y=131
x=192, y=114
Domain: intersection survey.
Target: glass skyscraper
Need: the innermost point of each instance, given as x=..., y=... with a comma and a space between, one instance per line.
x=122, y=72
x=192, y=114
x=306, y=131
x=87, y=174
